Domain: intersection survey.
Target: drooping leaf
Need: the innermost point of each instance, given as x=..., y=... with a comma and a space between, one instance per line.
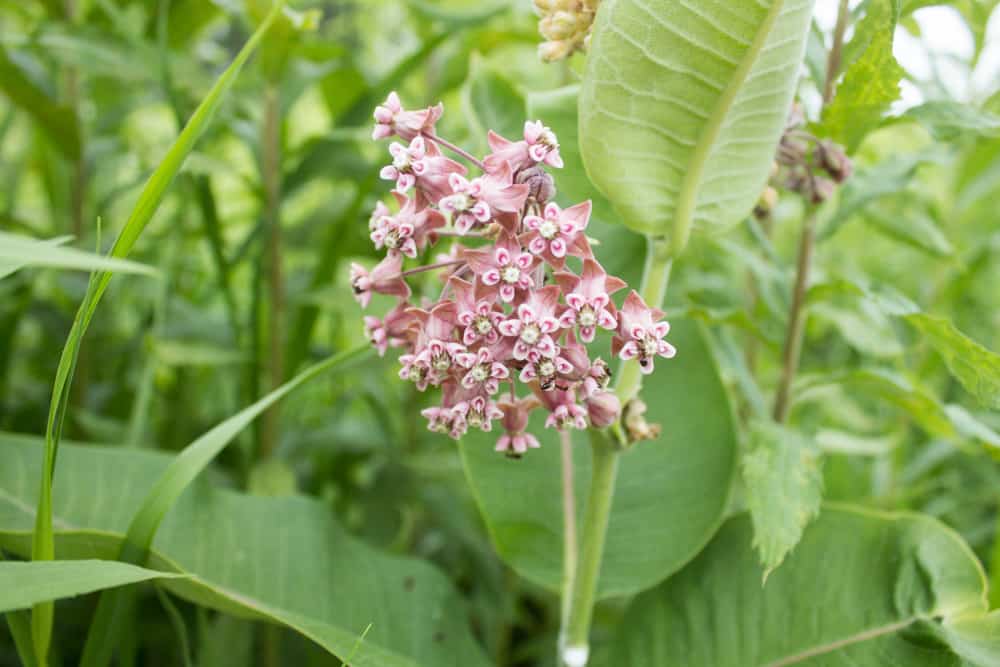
x=977, y=368
x=58, y=121
x=783, y=475
x=670, y=492
x=17, y=252
x=857, y=590
x=682, y=106
x=908, y=221
x=23, y=585
x=871, y=83
x=284, y=560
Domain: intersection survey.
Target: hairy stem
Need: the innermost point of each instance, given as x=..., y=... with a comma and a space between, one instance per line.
x=575, y=641
x=796, y=320
x=271, y=176
x=796, y=315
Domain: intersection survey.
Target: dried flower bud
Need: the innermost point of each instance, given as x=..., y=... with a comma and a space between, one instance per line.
x=603, y=409
x=765, y=205
x=636, y=426
x=822, y=189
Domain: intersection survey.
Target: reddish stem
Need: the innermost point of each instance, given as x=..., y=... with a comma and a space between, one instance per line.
x=455, y=149
x=431, y=267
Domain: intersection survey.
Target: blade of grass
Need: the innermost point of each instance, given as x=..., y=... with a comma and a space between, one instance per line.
x=162, y=496
x=43, y=545
x=19, y=623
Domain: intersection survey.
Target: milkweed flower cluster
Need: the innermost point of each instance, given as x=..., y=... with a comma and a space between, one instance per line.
x=520, y=295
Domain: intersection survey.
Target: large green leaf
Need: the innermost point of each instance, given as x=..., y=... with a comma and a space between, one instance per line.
x=871, y=83
x=23, y=585
x=862, y=588
x=670, y=493
x=784, y=487
x=977, y=368
x=682, y=106
x=286, y=560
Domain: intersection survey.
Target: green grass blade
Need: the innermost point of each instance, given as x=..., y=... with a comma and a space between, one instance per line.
x=162, y=496
x=43, y=546
x=18, y=251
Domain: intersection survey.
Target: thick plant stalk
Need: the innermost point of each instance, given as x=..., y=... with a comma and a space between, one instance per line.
x=271, y=171
x=575, y=648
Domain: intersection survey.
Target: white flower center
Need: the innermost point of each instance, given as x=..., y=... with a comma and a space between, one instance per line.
x=480, y=372
x=483, y=325
x=392, y=239
x=511, y=274
x=548, y=229
x=402, y=161
x=530, y=334
x=649, y=346
x=548, y=138
x=441, y=363
x=587, y=318
x=461, y=202
x=546, y=368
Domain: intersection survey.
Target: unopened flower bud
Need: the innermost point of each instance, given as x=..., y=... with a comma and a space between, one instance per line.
x=541, y=186
x=558, y=25
x=552, y=51
x=833, y=160
x=822, y=189
x=603, y=409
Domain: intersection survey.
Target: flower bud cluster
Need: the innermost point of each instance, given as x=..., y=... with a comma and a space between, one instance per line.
x=805, y=164
x=566, y=26
x=521, y=295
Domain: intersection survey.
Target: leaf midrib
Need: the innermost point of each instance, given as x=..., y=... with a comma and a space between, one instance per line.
x=687, y=198
x=863, y=636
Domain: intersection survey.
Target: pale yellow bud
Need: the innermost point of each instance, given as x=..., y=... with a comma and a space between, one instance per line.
x=553, y=51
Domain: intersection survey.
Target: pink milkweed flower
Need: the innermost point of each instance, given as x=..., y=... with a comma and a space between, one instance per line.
x=485, y=373
x=476, y=311
x=515, y=419
x=545, y=369
x=421, y=164
x=640, y=334
x=381, y=210
x=603, y=408
x=391, y=330
x=392, y=119
x=558, y=233
x=435, y=351
x=447, y=420
x=482, y=199
x=407, y=231
x=589, y=299
x=384, y=279
x=534, y=325
x=539, y=145
x=564, y=412
x=480, y=412
x=506, y=266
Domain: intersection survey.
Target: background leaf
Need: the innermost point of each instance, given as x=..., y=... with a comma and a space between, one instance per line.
x=58, y=121
x=876, y=578
x=285, y=559
x=23, y=585
x=17, y=252
x=681, y=108
x=670, y=492
x=977, y=368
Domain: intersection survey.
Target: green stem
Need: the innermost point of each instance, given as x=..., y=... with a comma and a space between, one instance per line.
x=575, y=640
x=575, y=647
x=569, y=525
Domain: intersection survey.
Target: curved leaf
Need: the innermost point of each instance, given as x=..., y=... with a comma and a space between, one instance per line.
x=862, y=588
x=670, y=492
x=17, y=252
x=286, y=560
x=682, y=106
x=23, y=585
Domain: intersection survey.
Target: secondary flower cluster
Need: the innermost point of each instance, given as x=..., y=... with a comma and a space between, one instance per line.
x=511, y=309
x=566, y=26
